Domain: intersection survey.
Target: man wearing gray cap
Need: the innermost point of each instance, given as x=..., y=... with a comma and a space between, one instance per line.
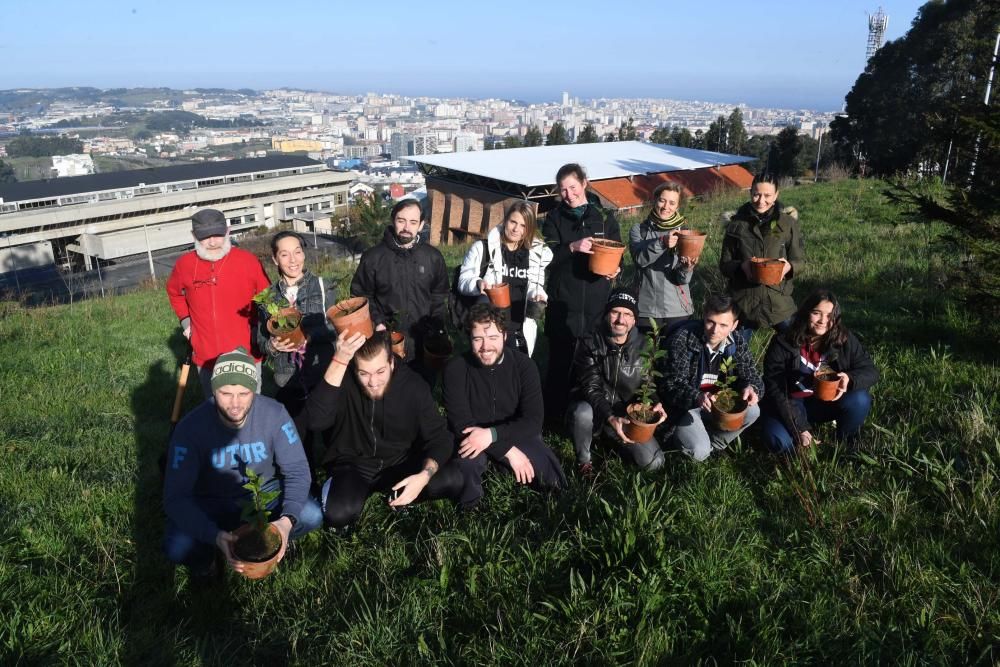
x=211, y=289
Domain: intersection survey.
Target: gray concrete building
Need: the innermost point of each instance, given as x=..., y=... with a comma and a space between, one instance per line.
x=115, y=215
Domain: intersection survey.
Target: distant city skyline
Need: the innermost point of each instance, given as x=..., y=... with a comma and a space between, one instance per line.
x=772, y=54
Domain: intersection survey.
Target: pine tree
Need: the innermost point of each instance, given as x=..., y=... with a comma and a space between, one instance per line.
x=557, y=135
x=588, y=135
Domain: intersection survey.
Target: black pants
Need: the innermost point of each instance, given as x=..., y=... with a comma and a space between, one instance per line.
x=557, y=379
x=351, y=483
x=293, y=396
x=548, y=472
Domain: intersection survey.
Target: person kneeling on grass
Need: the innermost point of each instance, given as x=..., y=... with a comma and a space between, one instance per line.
x=207, y=462
x=702, y=358
x=387, y=433
x=493, y=397
x=607, y=372
x=817, y=340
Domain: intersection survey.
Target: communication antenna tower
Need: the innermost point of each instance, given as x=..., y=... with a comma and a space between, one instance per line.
x=877, y=23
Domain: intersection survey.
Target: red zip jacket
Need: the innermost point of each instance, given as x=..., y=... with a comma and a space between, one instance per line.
x=217, y=297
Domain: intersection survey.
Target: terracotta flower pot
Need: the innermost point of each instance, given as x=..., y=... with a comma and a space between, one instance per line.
x=637, y=429
x=606, y=257
x=295, y=336
x=399, y=344
x=731, y=421
x=690, y=243
x=499, y=295
x=437, y=351
x=826, y=386
x=766, y=271
x=351, y=316
x=254, y=568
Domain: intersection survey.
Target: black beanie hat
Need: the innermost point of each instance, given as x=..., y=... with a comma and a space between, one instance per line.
x=623, y=298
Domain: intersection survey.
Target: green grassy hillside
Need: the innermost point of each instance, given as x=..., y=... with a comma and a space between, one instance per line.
x=888, y=556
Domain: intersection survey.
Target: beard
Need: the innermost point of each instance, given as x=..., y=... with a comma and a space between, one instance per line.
x=228, y=421
x=404, y=238
x=382, y=391
x=213, y=255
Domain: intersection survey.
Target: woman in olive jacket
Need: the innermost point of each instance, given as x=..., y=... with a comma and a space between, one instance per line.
x=762, y=228
x=816, y=337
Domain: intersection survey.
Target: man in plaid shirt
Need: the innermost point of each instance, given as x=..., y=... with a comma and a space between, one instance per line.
x=701, y=358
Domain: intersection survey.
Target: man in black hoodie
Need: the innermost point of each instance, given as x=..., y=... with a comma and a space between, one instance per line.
x=387, y=433
x=404, y=280
x=493, y=397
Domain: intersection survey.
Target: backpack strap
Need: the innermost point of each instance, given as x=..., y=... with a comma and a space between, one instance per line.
x=485, y=260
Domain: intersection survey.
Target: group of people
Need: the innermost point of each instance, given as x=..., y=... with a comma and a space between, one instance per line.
x=383, y=431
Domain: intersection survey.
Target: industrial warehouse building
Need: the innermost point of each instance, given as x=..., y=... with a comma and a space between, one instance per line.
x=468, y=192
x=116, y=215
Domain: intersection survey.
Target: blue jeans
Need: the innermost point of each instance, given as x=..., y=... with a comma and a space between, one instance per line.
x=183, y=549
x=850, y=412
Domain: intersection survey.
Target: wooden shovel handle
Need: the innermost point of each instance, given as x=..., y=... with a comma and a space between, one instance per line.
x=181, y=384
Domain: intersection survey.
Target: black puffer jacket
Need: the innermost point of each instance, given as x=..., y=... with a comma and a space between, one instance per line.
x=576, y=296
x=782, y=371
x=410, y=284
x=607, y=375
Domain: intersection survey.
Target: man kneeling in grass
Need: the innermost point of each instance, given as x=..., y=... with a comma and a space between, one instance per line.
x=387, y=433
x=607, y=374
x=207, y=462
x=493, y=396
x=702, y=359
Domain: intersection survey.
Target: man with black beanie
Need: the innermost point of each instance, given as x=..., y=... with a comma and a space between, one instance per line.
x=607, y=373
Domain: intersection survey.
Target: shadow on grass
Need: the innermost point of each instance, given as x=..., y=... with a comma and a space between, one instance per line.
x=156, y=618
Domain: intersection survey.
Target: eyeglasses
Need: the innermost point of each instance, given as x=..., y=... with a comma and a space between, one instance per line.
x=205, y=283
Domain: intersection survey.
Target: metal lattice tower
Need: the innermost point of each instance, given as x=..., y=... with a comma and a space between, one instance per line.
x=877, y=23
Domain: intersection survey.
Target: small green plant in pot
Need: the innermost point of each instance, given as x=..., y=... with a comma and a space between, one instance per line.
x=642, y=418
x=284, y=319
x=728, y=408
x=258, y=543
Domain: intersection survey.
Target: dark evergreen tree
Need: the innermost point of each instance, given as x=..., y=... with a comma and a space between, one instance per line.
x=557, y=135
x=588, y=135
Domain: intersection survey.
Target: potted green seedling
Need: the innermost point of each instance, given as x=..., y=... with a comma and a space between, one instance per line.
x=284, y=320
x=729, y=409
x=642, y=419
x=257, y=543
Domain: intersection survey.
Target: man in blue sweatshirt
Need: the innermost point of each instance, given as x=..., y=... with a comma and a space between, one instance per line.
x=207, y=463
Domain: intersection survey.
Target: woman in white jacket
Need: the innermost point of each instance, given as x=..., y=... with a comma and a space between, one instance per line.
x=517, y=256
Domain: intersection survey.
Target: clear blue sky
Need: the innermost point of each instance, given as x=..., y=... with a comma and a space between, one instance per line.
x=804, y=53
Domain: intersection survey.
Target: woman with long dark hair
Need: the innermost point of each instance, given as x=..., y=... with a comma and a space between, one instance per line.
x=764, y=228
x=298, y=369
x=816, y=340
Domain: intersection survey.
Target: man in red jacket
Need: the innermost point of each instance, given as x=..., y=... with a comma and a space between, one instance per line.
x=211, y=289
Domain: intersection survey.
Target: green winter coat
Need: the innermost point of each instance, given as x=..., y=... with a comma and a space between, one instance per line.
x=777, y=235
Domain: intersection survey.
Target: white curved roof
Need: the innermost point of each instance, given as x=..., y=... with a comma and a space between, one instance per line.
x=613, y=159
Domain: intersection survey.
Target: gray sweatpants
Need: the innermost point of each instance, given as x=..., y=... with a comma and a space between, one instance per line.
x=697, y=435
x=646, y=455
